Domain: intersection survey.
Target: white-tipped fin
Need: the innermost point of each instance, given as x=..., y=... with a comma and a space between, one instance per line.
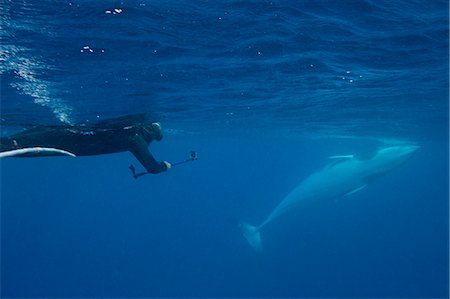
x=35, y=152
x=356, y=190
x=338, y=159
x=251, y=233
x=342, y=157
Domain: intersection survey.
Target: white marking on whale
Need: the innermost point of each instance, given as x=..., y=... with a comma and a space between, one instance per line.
x=344, y=176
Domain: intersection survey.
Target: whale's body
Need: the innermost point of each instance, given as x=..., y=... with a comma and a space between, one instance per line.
x=345, y=175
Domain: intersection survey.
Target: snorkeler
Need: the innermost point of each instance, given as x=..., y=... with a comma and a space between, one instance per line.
x=131, y=133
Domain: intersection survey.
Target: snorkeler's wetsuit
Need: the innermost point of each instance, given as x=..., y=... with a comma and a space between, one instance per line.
x=104, y=138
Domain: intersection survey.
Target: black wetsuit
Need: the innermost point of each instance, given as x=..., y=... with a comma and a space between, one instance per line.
x=114, y=136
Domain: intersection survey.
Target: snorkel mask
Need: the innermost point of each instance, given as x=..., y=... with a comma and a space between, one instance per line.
x=157, y=129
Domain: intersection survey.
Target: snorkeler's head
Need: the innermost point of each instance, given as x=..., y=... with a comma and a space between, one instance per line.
x=158, y=130
x=153, y=131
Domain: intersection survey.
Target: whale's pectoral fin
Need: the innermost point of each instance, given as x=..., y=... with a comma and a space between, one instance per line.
x=356, y=190
x=342, y=157
x=339, y=159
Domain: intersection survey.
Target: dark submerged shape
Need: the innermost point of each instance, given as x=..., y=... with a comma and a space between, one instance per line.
x=131, y=133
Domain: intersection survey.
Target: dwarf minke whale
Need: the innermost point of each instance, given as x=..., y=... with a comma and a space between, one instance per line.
x=345, y=175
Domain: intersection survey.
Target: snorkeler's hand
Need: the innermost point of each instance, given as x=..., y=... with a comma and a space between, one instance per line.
x=168, y=165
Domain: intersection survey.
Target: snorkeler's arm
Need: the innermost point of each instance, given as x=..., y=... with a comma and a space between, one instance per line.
x=139, y=148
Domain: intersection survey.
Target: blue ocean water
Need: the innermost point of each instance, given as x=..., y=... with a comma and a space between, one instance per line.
x=265, y=91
